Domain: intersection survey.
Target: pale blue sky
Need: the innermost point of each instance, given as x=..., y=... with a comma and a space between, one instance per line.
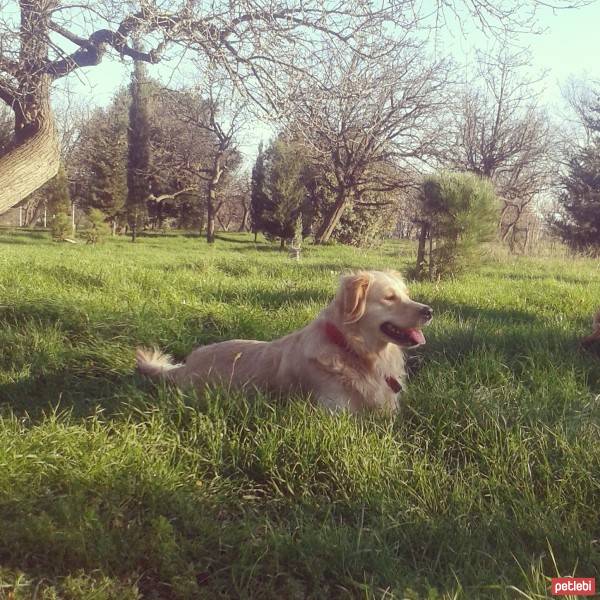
x=569, y=46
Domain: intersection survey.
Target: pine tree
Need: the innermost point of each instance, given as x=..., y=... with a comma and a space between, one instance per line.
x=104, y=161
x=96, y=229
x=459, y=213
x=58, y=203
x=108, y=187
x=579, y=224
x=258, y=195
x=285, y=191
x=57, y=194
x=138, y=150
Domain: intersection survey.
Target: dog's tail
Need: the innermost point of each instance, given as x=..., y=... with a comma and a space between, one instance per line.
x=154, y=363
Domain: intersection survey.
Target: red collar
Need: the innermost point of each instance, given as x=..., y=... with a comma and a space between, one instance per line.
x=335, y=336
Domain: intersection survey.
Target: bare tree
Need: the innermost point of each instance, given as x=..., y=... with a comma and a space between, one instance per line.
x=370, y=121
x=70, y=119
x=215, y=112
x=245, y=38
x=249, y=40
x=582, y=97
x=502, y=133
x=235, y=202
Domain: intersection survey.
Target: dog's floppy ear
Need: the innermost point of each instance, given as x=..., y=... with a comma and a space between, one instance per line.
x=354, y=291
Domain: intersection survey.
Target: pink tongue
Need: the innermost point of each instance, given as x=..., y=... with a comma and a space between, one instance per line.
x=415, y=335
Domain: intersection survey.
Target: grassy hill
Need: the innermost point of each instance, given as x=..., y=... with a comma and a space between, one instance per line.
x=112, y=487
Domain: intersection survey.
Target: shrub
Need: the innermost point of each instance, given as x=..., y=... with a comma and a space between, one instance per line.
x=459, y=212
x=61, y=226
x=367, y=224
x=97, y=228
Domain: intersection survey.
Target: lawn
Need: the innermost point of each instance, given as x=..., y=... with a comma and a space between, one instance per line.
x=486, y=485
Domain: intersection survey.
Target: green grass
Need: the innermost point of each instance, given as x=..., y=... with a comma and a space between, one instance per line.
x=487, y=484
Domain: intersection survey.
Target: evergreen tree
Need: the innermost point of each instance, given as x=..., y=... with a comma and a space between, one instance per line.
x=58, y=203
x=60, y=226
x=258, y=194
x=57, y=195
x=579, y=223
x=96, y=229
x=108, y=187
x=459, y=213
x=100, y=158
x=103, y=161
x=367, y=221
x=138, y=162
x=285, y=191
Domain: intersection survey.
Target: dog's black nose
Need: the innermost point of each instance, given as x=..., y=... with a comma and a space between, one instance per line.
x=427, y=312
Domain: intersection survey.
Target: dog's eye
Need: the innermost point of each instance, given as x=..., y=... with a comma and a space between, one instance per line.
x=390, y=297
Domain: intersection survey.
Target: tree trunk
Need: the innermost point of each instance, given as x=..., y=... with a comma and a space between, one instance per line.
x=244, y=223
x=333, y=218
x=160, y=217
x=282, y=244
x=421, y=249
x=224, y=226
x=431, y=261
x=34, y=156
x=526, y=242
x=211, y=199
x=210, y=215
x=510, y=227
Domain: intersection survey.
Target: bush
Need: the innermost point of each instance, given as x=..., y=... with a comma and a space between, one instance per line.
x=459, y=212
x=367, y=224
x=61, y=226
x=56, y=192
x=97, y=228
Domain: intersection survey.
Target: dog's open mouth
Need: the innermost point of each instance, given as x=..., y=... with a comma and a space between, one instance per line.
x=403, y=337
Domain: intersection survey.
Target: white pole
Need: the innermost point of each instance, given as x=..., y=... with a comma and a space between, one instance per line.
x=20, y=216
x=73, y=207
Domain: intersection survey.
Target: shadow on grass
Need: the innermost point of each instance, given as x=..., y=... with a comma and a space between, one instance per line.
x=554, y=276
x=8, y=240
x=224, y=238
x=79, y=394
x=260, y=247
x=72, y=277
x=273, y=299
x=506, y=316
x=34, y=234
x=138, y=507
x=24, y=238
x=89, y=378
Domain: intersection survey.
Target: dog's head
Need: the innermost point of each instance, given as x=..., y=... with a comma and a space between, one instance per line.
x=376, y=303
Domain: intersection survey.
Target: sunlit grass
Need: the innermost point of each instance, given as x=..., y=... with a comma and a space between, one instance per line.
x=486, y=485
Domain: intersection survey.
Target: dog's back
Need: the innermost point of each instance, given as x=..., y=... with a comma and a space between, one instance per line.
x=235, y=362
x=595, y=336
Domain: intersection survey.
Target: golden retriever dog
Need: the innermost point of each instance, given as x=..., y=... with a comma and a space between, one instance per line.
x=351, y=357
x=595, y=336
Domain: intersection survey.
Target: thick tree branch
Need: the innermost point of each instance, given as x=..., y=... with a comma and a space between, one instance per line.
x=92, y=50
x=173, y=195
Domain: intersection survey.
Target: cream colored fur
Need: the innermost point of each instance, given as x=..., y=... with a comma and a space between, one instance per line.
x=352, y=378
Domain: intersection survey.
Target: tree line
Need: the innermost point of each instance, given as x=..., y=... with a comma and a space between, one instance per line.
x=363, y=109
